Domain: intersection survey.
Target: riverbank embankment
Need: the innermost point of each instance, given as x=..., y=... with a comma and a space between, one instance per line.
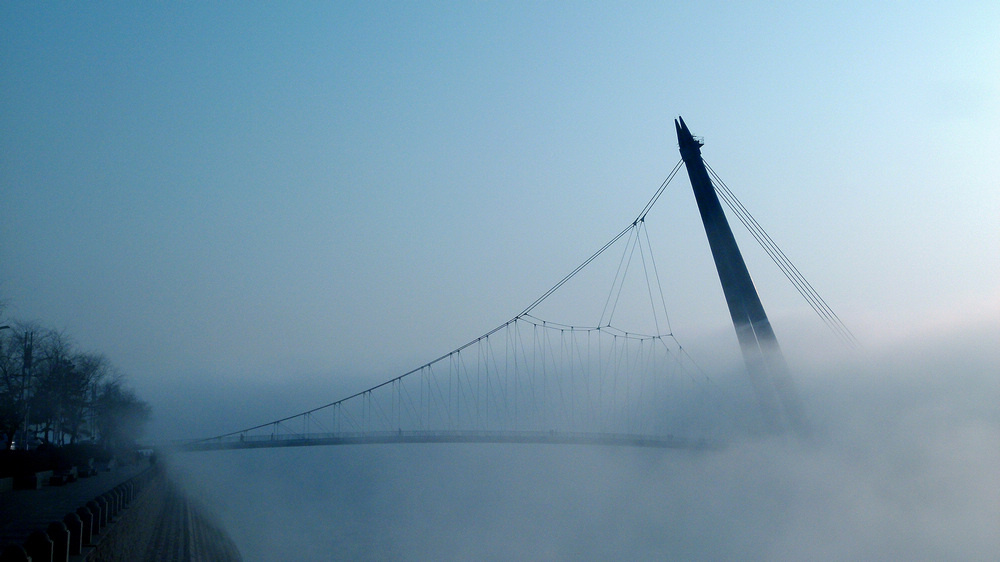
x=125, y=513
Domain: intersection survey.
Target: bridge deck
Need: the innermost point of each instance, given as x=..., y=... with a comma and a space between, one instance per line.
x=382, y=437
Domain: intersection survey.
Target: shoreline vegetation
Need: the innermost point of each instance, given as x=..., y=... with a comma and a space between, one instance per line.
x=63, y=409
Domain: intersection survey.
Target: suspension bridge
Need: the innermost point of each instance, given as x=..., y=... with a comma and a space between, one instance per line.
x=613, y=381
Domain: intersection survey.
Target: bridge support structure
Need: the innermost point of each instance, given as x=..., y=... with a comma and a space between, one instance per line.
x=766, y=367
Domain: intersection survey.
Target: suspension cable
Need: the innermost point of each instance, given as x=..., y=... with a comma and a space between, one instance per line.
x=780, y=259
x=524, y=313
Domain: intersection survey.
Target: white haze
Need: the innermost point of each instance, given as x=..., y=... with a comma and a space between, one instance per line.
x=902, y=466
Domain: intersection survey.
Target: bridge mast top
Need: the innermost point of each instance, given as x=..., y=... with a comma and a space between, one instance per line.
x=765, y=363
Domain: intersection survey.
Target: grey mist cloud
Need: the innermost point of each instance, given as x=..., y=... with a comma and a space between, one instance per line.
x=902, y=466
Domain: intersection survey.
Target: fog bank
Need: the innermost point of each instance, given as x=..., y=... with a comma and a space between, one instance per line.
x=902, y=465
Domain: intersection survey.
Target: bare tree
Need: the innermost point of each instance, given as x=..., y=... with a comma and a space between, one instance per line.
x=81, y=393
x=16, y=359
x=51, y=391
x=50, y=376
x=121, y=416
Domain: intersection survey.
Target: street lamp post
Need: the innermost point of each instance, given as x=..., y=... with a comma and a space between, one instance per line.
x=29, y=339
x=6, y=327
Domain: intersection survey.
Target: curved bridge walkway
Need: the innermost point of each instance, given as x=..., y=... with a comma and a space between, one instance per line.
x=384, y=437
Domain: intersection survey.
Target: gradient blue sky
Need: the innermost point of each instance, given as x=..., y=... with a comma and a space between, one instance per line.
x=307, y=195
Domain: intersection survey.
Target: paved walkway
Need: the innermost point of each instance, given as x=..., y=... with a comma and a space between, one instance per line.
x=23, y=511
x=184, y=534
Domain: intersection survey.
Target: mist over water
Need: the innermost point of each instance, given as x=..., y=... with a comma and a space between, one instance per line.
x=902, y=465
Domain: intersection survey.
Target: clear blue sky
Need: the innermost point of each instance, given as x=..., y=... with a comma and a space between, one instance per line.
x=251, y=194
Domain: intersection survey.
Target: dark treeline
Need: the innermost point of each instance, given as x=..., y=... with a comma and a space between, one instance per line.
x=60, y=395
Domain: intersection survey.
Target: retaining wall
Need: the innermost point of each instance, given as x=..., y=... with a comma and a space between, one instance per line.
x=143, y=518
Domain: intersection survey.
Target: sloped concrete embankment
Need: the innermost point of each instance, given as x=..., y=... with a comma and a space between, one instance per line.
x=143, y=518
